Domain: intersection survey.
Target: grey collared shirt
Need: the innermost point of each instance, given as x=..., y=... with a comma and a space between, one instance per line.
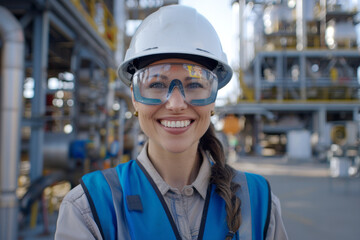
x=186, y=205
x=76, y=222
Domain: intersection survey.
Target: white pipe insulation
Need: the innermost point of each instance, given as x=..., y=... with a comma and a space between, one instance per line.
x=11, y=82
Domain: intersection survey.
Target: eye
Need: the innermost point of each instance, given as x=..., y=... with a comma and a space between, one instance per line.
x=194, y=85
x=157, y=85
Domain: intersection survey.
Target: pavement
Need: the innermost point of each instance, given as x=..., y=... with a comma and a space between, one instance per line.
x=314, y=205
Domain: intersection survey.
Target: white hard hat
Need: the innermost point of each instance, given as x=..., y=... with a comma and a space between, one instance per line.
x=176, y=31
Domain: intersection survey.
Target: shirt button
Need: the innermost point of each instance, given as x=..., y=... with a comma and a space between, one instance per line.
x=189, y=191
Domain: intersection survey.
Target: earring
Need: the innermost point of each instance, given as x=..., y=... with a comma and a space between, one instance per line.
x=136, y=113
x=212, y=113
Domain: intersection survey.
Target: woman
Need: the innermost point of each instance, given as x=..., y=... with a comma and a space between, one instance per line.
x=179, y=187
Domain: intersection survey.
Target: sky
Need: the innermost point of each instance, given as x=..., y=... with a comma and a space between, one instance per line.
x=219, y=14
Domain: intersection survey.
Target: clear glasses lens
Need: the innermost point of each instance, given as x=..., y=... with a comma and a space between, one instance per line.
x=155, y=84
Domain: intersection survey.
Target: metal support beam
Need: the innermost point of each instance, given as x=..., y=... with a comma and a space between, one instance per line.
x=257, y=69
x=40, y=62
x=313, y=53
x=302, y=62
x=280, y=82
x=65, y=10
x=61, y=26
x=257, y=131
x=356, y=114
x=322, y=125
x=74, y=68
x=294, y=106
x=27, y=19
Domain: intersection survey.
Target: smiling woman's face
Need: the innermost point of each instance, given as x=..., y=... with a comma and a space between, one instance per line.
x=174, y=126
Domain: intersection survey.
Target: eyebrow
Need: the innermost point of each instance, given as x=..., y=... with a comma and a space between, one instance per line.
x=188, y=78
x=158, y=75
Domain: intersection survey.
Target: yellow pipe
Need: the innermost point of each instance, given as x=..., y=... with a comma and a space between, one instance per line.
x=34, y=214
x=248, y=93
x=112, y=75
x=110, y=32
x=51, y=204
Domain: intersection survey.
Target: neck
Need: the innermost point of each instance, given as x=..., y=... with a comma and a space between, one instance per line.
x=177, y=169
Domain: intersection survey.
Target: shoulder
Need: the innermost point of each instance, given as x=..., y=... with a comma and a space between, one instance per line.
x=75, y=194
x=256, y=189
x=77, y=198
x=276, y=228
x=255, y=180
x=99, y=174
x=75, y=219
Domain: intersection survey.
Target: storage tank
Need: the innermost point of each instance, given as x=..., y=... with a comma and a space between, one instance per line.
x=299, y=145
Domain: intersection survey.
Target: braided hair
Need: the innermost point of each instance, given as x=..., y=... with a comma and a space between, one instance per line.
x=221, y=176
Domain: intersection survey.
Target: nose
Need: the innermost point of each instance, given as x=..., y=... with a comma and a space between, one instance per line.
x=176, y=101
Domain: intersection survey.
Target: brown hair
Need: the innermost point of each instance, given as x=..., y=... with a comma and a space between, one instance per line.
x=222, y=175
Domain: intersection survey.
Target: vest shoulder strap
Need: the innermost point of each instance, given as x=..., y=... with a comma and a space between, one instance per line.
x=255, y=195
x=106, y=191
x=98, y=191
x=112, y=178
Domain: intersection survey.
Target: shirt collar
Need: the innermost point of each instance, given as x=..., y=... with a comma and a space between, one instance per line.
x=200, y=184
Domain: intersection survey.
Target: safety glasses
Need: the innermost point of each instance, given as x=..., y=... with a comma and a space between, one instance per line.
x=154, y=84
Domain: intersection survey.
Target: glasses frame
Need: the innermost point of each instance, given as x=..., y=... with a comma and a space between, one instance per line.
x=174, y=83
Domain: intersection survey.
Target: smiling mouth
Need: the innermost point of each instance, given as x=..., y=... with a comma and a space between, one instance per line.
x=175, y=124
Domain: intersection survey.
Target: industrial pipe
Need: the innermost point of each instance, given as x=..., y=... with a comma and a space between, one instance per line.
x=11, y=81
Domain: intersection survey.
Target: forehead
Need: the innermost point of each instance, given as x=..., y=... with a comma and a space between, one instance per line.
x=174, y=67
x=175, y=60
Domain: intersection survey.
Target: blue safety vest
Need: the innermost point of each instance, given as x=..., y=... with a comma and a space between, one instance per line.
x=126, y=204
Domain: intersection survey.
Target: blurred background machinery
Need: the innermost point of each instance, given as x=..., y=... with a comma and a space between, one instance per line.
x=64, y=112
x=299, y=72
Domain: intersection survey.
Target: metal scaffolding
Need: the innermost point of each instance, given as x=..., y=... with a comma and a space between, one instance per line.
x=301, y=62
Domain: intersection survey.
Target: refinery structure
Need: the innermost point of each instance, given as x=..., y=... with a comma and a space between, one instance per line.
x=299, y=74
x=64, y=112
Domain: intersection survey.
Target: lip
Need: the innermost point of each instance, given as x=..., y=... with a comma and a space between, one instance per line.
x=176, y=130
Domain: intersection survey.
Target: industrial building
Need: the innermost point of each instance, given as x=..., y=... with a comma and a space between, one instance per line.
x=299, y=74
x=64, y=112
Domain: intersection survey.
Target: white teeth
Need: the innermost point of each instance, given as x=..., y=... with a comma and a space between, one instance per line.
x=175, y=124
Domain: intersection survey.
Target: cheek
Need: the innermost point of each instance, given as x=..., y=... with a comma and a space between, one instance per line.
x=204, y=116
x=204, y=112
x=146, y=114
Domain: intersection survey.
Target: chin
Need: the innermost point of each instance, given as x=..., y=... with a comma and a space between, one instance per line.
x=177, y=146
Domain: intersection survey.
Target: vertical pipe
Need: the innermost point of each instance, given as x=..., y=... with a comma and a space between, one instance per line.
x=322, y=126
x=356, y=119
x=242, y=50
x=323, y=10
x=12, y=74
x=257, y=132
x=40, y=62
x=302, y=67
x=257, y=70
x=356, y=114
x=75, y=69
x=280, y=80
x=301, y=35
x=120, y=15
